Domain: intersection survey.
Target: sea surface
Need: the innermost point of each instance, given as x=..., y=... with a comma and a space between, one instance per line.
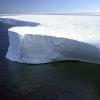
x=67, y=80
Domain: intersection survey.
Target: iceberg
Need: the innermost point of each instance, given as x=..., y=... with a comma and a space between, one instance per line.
x=55, y=38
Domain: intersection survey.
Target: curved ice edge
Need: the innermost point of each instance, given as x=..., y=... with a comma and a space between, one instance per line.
x=14, y=22
x=61, y=49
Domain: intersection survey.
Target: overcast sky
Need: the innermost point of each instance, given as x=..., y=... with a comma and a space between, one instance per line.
x=47, y=6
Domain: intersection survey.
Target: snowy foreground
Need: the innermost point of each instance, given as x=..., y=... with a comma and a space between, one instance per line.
x=38, y=39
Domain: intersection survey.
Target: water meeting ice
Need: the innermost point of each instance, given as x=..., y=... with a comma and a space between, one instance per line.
x=54, y=38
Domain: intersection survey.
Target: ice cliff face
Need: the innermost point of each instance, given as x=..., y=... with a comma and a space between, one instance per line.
x=14, y=22
x=47, y=38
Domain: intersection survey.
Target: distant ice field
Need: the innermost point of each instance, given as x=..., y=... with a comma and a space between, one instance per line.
x=67, y=25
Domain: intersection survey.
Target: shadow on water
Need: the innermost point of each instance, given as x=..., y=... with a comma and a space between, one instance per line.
x=67, y=80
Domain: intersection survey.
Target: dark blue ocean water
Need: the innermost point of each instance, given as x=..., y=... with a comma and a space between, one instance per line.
x=67, y=80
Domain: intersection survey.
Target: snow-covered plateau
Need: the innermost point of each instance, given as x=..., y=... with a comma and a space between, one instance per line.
x=38, y=39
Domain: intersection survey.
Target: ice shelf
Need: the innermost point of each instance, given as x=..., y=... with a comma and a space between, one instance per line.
x=47, y=38
x=42, y=44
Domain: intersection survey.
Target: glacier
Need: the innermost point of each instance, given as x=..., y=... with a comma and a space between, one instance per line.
x=36, y=39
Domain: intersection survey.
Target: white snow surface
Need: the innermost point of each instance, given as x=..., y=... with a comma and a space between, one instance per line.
x=54, y=38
